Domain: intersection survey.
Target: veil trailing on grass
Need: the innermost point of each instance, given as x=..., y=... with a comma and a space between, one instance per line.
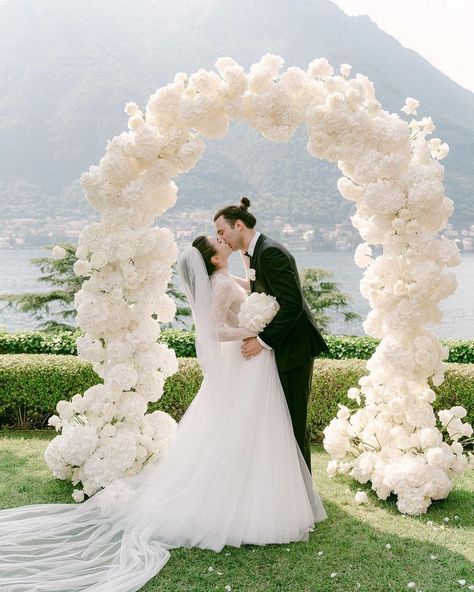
x=233, y=475
x=120, y=538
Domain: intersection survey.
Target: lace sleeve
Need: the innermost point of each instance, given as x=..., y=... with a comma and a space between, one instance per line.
x=223, y=296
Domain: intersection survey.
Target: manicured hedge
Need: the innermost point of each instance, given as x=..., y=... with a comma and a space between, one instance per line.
x=39, y=342
x=332, y=379
x=341, y=346
x=31, y=386
x=64, y=343
x=181, y=341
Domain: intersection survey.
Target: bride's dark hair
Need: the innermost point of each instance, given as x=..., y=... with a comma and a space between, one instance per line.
x=207, y=251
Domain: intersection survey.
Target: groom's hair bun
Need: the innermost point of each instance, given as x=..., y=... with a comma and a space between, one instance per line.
x=240, y=212
x=244, y=203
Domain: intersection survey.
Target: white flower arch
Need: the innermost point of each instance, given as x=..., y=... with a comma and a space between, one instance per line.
x=392, y=174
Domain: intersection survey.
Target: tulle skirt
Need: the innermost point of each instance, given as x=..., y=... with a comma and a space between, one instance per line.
x=234, y=475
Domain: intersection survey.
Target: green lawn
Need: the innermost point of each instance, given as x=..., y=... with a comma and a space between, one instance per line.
x=352, y=542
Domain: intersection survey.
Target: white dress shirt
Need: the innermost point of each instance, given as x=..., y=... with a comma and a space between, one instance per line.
x=252, y=243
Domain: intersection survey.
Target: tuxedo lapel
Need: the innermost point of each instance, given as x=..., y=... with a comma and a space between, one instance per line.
x=258, y=244
x=255, y=258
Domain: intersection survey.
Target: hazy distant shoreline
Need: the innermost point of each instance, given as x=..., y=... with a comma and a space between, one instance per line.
x=18, y=275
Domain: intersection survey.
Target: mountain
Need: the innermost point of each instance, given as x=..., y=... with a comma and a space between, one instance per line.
x=68, y=68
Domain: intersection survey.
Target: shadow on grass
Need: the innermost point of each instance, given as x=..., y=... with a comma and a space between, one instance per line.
x=437, y=511
x=10, y=461
x=25, y=479
x=352, y=549
x=28, y=434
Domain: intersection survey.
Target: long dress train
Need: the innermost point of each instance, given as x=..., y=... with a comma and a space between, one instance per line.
x=233, y=475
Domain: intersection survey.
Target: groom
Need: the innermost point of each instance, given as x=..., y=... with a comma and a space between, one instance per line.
x=293, y=333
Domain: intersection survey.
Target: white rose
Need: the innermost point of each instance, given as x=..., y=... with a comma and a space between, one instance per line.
x=131, y=108
x=320, y=68
x=332, y=467
x=424, y=358
x=467, y=430
x=354, y=394
x=124, y=375
x=429, y=437
x=251, y=274
x=166, y=309
x=55, y=421
x=435, y=457
x=458, y=411
x=400, y=288
x=78, y=495
x=82, y=267
x=361, y=497
x=411, y=106
x=108, y=430
x=428, y=125
x=398, y=224
x=363, y=255
x=58, y=252
x=457, y=447
x=345, y=70
x=396, y=405
x=455, y=427
x=442, y=152
x=343, y=412
x=136, y=121
x=445, y=416
x=65, y=410
x=78, y=403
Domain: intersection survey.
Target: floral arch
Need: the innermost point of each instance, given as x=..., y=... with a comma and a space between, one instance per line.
x=389, y=169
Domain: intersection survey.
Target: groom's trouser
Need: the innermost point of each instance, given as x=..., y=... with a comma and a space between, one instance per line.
x=296, y=385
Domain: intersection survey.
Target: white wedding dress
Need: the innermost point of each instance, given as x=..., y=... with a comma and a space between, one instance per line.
x=234, y=475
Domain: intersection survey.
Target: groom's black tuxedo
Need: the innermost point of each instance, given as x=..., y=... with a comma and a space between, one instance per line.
x=292, y=334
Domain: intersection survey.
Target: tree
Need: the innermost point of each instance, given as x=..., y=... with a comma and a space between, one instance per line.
x=59, y=274
x=322, y=295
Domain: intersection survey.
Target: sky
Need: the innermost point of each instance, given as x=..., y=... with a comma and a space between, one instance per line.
x=440, y=30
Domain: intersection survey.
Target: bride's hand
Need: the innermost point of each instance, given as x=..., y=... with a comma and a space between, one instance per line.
x=250, y=348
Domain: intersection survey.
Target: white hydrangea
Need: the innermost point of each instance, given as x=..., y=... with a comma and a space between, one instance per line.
x=391, y=173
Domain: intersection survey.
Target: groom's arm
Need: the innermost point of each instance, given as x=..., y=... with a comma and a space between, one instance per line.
x=279, y=275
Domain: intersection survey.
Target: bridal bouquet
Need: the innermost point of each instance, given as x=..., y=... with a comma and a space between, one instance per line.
x=257, y=311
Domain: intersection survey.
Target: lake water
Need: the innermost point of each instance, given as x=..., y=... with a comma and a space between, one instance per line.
x=17, y=275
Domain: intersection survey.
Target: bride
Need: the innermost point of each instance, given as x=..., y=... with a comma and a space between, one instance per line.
x=234, y=473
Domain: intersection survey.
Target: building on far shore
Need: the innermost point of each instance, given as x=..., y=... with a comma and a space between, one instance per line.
x=21, y=233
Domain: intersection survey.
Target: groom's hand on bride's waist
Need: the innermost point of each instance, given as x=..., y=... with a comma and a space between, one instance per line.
x=251, y=347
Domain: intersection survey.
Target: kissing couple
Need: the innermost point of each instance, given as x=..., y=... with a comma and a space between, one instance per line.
x=238, y=469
